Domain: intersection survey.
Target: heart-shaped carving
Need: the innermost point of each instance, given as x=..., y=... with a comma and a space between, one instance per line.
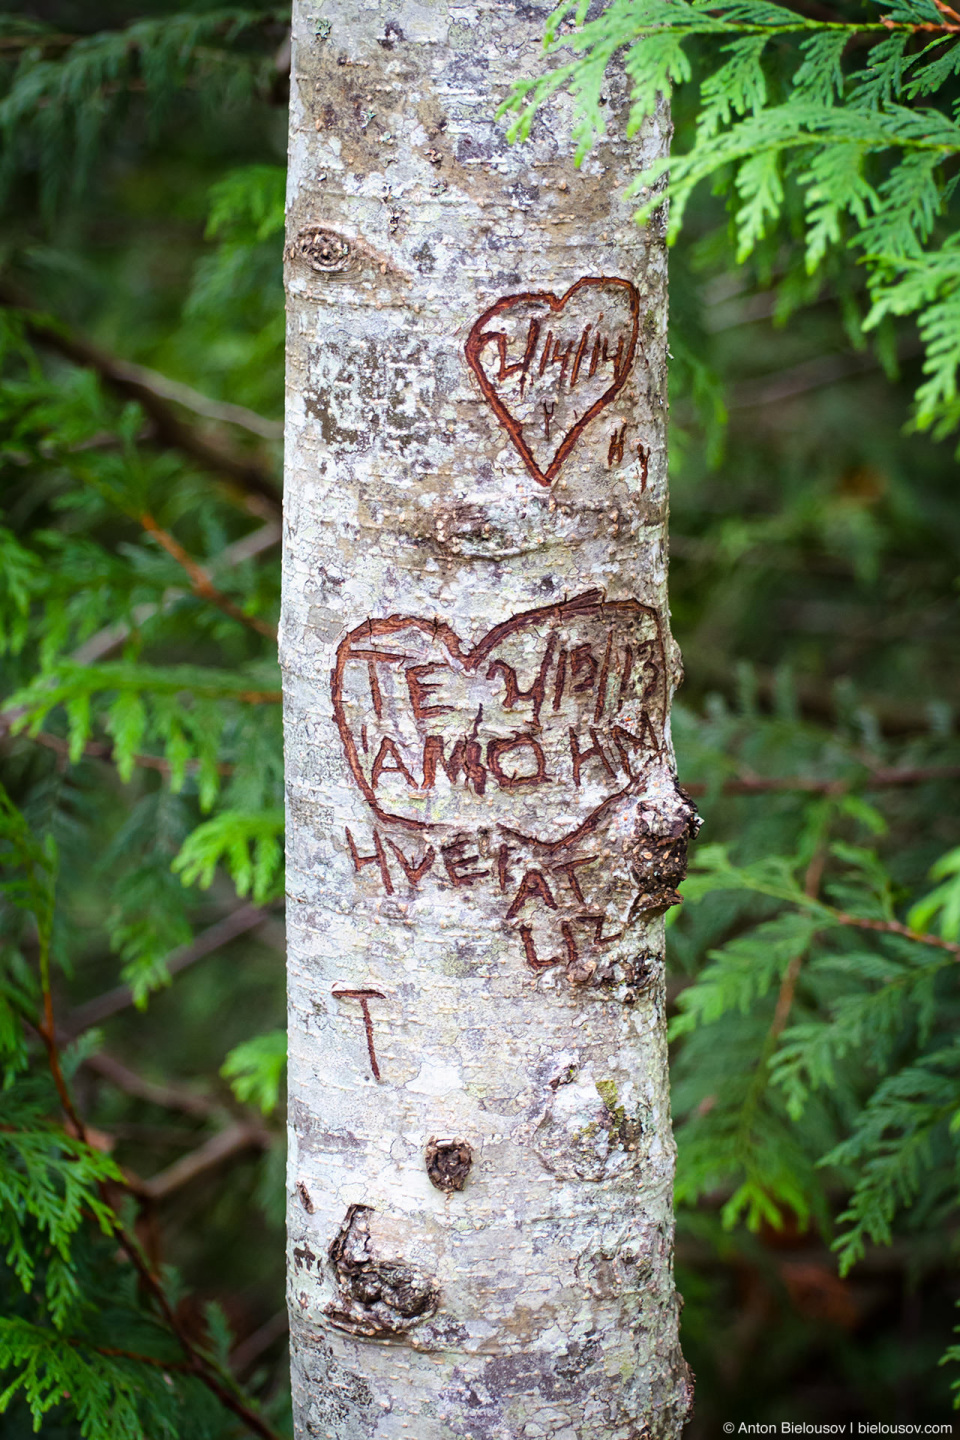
x=548, y=366
x=537, y=728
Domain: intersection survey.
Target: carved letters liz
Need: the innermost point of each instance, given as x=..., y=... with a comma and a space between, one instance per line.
x=548, y=366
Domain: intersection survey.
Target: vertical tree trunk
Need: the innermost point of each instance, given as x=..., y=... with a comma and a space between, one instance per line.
x=484, y=824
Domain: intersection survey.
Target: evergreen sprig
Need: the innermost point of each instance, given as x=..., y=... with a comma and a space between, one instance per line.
x=833, y=1019
x=854, y=145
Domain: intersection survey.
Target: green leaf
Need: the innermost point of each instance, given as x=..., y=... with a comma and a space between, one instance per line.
x=743, y=970
x=250, y=845
x=943, y=901
x=256, y=1069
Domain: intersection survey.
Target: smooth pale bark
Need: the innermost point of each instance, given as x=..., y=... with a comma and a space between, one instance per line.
x=484, y=825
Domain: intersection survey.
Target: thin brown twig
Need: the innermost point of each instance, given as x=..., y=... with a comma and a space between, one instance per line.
x=198, y=1364
x=239, y=922
x=880, y=779
x=785, y=995
x=248, y=1351
x=200, y=582
x=215, y=1151
x=814, y=875
x=894, y=927
x=926, y=26
x=112, y=636
x=101, y=750
x=114, y=1350
x=788, y=985
x=224, y=411
x=170, y=1097
x=37, y=40
x=47, y=1033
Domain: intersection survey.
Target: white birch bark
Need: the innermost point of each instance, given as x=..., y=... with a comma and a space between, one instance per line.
x=484, y=825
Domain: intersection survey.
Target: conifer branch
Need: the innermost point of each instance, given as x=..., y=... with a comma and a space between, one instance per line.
x=112, y=636
x=130, y=382
x=894, y=927
x=197, y=1363
x=951, y=26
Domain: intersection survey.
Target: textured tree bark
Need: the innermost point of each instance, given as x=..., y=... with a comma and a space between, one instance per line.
x=484, y=823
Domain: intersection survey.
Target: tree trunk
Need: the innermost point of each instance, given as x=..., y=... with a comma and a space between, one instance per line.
x=484, y=824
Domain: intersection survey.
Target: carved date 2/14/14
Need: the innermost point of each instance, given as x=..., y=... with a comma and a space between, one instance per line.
x=548, y=367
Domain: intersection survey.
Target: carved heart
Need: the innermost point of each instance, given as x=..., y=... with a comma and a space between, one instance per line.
x=539, y=727
x=548, y=367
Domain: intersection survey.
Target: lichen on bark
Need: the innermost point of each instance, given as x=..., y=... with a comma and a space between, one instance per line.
x=484, y=822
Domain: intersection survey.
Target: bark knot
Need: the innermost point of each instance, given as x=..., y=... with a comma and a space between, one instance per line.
x=448, y=1163
x=379, y=1294
x=323, y=250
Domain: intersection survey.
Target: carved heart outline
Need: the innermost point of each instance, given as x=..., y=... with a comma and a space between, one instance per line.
x=590, y=603
x=478, y=339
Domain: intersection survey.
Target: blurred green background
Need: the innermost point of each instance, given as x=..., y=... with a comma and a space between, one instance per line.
x=814, y=584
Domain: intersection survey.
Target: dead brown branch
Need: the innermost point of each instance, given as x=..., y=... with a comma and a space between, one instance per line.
x=131, y=382
x=224, y=412
x=240, y=922
x=223, y=1146
x=248, y=1351
x=170, y=1097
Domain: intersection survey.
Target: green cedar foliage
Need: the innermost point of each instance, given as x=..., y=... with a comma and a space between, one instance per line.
x=836, y=134
x=66, y=92
x=256, y=1069
x=817, y=1075
x=140, y=716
